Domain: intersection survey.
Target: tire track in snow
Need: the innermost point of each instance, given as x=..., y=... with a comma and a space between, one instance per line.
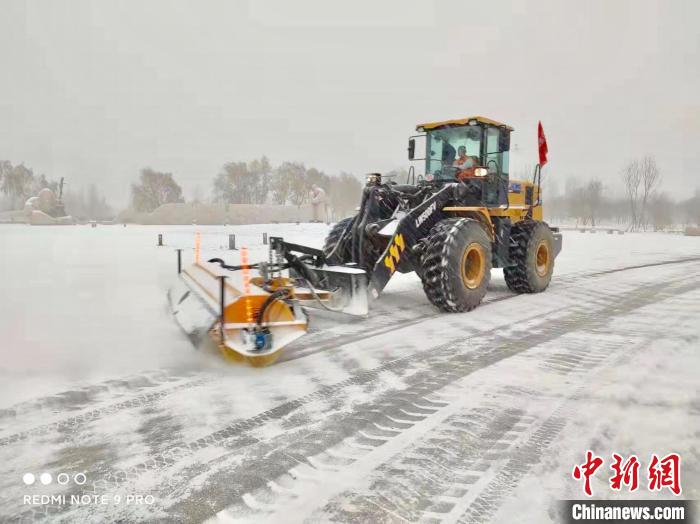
x=200, y=378
x=72, y=423
x=297, y=352
x=482, y=506
x=450, y=458
x=443, y=366
x=442, y=478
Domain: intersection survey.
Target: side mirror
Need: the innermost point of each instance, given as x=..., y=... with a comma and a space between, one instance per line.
x=504, y=141
x=411, y=148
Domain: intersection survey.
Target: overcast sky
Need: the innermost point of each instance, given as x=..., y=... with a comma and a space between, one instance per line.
x=94, y=91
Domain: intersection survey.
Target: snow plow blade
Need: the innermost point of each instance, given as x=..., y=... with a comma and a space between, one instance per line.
x=192, y=313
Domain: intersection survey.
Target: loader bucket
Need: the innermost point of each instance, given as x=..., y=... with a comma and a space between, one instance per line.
x=341, y=288
x=203, y=306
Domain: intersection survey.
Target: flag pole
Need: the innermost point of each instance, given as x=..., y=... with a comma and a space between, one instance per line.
x=542, y=150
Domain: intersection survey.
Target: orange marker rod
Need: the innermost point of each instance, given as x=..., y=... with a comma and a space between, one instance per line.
x=245, y=263
x=197, y=246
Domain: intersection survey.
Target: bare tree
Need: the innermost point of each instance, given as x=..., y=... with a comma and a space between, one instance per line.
x=632, y=178
x=235, y=184
x=262, y=171
x=299, y=185
x=5, y=168
x=155, y=189
x=289, y=184
x=17, y=182
x=593, y=199
x=241, y=183
x=318, y=178
x=651, y=178
x=575, y=202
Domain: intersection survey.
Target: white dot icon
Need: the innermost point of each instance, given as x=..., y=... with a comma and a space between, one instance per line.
x=80, y=479
x=45, y=479
x=28, y=479
x=62, y=478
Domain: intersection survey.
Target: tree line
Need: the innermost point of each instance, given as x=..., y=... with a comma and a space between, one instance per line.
x=254, y=182
x=643, y=205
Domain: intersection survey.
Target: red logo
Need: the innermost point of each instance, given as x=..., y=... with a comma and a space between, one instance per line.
x=662, y=472
x=627, y=473
x=665, y=473
x=587, y=470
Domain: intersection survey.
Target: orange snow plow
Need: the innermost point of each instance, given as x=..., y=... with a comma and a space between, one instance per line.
x=252, y=318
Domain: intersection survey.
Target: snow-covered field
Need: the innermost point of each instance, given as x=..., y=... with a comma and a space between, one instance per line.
x=408, y=415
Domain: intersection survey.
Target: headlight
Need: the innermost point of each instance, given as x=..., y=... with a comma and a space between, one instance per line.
x=481, y=171
x=374, y=179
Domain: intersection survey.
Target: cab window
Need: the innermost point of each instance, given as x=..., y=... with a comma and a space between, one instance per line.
x=443, y=147
x=496, y=160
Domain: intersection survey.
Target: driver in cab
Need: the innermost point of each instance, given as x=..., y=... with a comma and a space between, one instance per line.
x=465, y=164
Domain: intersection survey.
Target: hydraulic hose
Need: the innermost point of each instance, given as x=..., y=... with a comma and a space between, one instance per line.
x=275, y=295
x=250, y=266
x=318, y=299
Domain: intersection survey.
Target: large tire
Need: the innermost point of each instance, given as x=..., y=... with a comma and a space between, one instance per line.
x=531, y=256
x=334, y=253
x=456, y=264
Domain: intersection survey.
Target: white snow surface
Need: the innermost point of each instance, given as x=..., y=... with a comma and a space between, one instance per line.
x=95, y=376
x=82, y=304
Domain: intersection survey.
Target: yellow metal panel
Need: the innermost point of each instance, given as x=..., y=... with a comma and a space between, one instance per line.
x=460, y=122
x=516, y=199
x=481, y=213
x=466, y=208
x=515, y=213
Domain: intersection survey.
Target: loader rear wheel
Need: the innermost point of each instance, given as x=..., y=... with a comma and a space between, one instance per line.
x=456, y=264
x=337, y=252
x=532, y=257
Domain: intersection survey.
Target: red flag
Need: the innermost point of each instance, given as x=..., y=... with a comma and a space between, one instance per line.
x=542, y=144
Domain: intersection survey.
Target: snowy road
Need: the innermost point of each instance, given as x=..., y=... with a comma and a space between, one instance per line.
x=406, y=416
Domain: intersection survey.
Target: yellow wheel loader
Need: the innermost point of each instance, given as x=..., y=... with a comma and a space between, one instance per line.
x=451, y=224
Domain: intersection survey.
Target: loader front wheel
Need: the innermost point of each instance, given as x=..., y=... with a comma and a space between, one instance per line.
x=456, y=264
x=531, y=256
x=338, y=247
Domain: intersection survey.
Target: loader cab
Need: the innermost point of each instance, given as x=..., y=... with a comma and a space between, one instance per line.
x=479, y=142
